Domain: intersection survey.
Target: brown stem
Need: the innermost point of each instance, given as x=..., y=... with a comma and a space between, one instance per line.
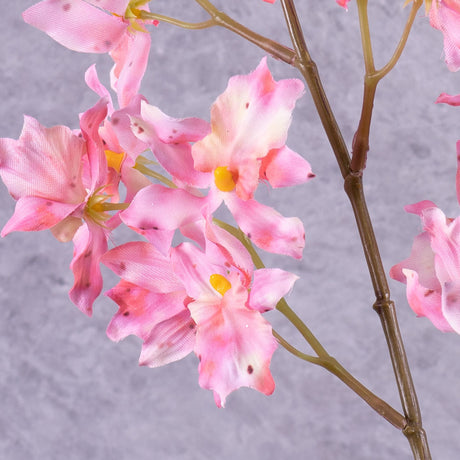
x=277, y=50
x=353, y=187
x=360, y=145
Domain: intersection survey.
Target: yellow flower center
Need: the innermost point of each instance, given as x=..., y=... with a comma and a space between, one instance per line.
x=114, y=159
x=224, y=179
x=220, y=283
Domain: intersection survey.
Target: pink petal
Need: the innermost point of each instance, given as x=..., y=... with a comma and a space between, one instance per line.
x=92, y=80
x=76, y=25
x=160, y=208
x=457, y=178
x=169, y=140
x=234, y=345
x=268, y=287
x=140, y=309
x=266, y=228
x=33, y=214
x=90, y=243
x=445, y=98
x=420, y=260
x=445, y=243
x=223, y=248
x=43, y=162
x=343, y=3
x=445, y=16
x=90, y=121
x=120, y=123
x=194, y=270
x=130, y=56
x=425, y=302
x=418, y=208
x=169, y=341
x=284, y=167
x=65, y=230
x=173, y=130
x=451, y=305
x=142, y=264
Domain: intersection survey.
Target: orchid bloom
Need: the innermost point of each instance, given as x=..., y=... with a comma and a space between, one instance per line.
x=234, y=343
x=81, y=25
x=61, y=182
x=249, y=124
x=207, y=302
x=445, y=16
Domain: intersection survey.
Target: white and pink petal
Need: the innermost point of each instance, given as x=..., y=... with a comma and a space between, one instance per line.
x=234, y=345
x=142, y=264
x=90, y=243
x=425, y=302
x=267, y=228
x=268, y=287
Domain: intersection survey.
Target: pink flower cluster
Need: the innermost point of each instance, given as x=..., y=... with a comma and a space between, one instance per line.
x=202, y=295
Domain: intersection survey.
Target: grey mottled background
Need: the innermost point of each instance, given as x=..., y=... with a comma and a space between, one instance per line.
x=68, y=392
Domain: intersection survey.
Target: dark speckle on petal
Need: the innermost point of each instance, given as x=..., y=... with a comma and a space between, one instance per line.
x=66, y=6
x=250, y=369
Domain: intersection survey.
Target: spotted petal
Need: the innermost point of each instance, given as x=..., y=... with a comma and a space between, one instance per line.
x=76, y=24
x=234, y=344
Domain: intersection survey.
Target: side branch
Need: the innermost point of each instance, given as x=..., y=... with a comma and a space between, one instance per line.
x=272, y=47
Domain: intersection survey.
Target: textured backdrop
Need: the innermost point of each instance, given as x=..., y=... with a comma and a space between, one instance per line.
x=68, y=392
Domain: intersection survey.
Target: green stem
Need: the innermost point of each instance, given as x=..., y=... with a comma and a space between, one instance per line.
x=365, y=36
x=176, y=22
x=379, y=405
x=360, y=145
x=402, y=42
x=140, y=165
x=285, y=344
x=324, y=359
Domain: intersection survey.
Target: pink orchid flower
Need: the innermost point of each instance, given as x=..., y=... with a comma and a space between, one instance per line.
x=81, y=25
x=249, y=123
x=445, y=16
x=234, y=343
x=61, y=182
x=209, y=302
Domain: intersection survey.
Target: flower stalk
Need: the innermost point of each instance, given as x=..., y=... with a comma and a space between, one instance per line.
x=353, y=187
